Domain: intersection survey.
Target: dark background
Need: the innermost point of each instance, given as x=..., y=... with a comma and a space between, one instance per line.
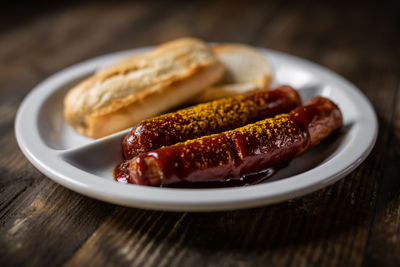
x=355, y=222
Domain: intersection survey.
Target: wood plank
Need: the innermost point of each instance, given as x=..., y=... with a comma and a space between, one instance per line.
x=11, y=71
x=45, y=233
x=27, y=200
x=383, y=245
x=307, y=233
x=42, y=223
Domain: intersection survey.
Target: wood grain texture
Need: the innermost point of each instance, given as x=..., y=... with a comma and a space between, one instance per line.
x=355, y=222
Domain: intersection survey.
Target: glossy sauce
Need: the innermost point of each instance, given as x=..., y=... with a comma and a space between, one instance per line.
x=248, y=155
x=241, y=157
x=121, y=175
x=206, y=119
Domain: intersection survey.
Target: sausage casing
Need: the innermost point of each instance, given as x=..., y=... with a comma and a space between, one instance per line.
x=209, y=118
x=232, y=154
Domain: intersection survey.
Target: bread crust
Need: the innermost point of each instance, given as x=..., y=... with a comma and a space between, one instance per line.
x=259, y=75
x=141, y=86
x=263, y=81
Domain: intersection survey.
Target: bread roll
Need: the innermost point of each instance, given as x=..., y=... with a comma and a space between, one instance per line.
x=141, y=86
x=246, y=69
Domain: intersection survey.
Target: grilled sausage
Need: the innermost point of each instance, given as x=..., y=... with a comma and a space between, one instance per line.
x=232, y=154
x=209, y=118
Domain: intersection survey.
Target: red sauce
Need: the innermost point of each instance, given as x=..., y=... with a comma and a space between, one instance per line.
x=244, y=156
x=215, y=117
x=121, y=175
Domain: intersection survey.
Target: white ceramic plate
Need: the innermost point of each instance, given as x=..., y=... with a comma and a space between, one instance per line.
x=85, y=165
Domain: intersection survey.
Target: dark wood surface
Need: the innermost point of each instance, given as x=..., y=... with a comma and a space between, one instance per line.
x=355, y=222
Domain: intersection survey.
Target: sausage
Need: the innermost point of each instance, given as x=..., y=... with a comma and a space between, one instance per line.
x=209, y=118
x=235, y=153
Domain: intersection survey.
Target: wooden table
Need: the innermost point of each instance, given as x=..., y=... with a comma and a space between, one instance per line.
x=351, y=223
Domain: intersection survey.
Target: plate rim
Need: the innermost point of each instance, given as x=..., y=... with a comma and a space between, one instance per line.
x=140, y=196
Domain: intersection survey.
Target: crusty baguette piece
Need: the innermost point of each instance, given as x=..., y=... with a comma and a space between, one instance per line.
x=246, y=69
x=118, y=96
